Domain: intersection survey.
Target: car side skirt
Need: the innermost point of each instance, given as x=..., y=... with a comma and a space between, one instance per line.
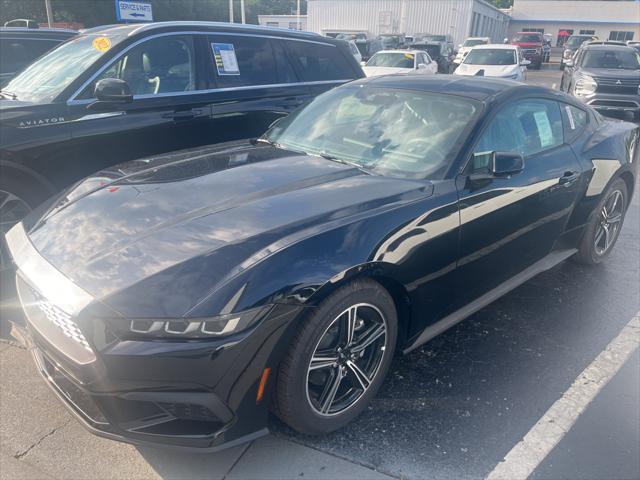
x=546, y=263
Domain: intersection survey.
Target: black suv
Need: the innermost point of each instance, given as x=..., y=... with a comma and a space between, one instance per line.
x=21, y=46
x=607, y=77
x=120, y=92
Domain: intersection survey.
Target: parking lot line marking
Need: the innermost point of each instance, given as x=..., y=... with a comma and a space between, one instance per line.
x=523, y=459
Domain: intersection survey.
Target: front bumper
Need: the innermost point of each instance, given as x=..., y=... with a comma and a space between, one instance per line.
x=193, y=395
x=610, y=102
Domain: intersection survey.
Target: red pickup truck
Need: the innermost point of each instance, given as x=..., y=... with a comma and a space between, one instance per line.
x=531, y=44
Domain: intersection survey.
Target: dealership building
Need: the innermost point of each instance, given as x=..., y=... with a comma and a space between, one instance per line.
x=608, y=20
x=458, y=18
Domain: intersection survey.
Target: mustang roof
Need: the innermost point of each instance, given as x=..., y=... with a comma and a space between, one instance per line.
x=477, y=88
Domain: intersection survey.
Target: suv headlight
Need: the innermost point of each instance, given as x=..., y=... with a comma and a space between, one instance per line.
x=511, y=77
x=585, y=85
x=184, y=328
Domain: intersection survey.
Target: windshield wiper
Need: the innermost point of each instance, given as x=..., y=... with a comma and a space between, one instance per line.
x=328, y=156
x=10, y=95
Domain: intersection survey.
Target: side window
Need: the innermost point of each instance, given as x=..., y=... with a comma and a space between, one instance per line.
x=526, y=127
x=160, y=65
x=575, y=119
x=319, y=62
x=243, y=61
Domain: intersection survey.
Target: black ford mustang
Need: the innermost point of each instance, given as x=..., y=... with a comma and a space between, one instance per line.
x=177, y=299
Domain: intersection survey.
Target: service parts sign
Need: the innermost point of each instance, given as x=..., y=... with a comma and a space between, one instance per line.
x=133, y=11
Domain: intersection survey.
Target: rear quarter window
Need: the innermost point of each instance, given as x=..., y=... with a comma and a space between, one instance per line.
x=317, y=62
x=574, y=119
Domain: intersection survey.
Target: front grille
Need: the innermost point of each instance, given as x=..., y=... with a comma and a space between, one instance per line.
x=61, y=319
x=627, y=86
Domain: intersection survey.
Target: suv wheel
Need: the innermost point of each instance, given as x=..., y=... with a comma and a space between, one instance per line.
x=338, y=359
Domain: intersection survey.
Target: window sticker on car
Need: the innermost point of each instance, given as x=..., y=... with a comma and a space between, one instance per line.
x=102, y=44
x=226, y=61
x=409, y=56
x=572, y=122
x=544, y=128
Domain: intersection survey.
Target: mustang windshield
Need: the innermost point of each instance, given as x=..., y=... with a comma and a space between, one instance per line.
x=402, y=133
x=47, y=77
x=487, y=56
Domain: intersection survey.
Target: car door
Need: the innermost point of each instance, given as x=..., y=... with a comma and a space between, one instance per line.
x=169, y=110
x=509, y=223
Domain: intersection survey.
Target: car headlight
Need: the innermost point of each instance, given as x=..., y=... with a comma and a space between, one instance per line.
x=511, y=77
x=585, y=85
x=185, y=328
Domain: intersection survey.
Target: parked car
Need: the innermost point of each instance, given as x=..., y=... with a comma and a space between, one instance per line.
x=573, y=44
x=448, y=39
x=502, y=61
x=386, y=42
x=464, y=48
x=360, y=38
x=439, y=52
x=389, y=62
x=178, y=299
x=21, y=46
x=546, y=48
x=532, y=44
x=607, y=77
x=126, y=91
x=22, y=22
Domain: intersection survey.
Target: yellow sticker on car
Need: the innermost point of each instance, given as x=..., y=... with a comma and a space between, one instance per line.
x=102, y=44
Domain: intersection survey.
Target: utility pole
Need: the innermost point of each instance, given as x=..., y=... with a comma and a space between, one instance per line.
x=242, y=11
x=298, y=15
x=230, y=11
x=47, y=5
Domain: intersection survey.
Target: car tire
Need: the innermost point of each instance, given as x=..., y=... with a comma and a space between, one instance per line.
x=598, y=241
x=303, y=397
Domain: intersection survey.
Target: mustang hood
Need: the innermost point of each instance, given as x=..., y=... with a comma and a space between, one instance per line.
x=222, y=209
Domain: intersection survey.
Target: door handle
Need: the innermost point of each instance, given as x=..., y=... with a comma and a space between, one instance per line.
x=568, y=178
x=182, y=114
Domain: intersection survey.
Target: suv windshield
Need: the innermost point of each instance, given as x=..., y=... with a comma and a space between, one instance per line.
x=388, y=59
x=528, y=38
x=46, y=78
x=575, y=42
x=491, y=56
x=386, y=131
x=626, y=59
x=474, y=42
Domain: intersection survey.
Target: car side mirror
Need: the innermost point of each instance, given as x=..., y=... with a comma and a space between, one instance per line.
x=422, y=66
x=363, y=64
x=487, y=166
x=505, y=164
x=524, y=63
x=113, y=90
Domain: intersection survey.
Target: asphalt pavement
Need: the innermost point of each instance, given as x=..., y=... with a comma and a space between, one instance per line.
x=452, y=409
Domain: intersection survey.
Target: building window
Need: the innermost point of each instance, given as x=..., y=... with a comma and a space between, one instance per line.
x=539, y=30
x=621, y=36
x=587, y=32
x=294, y=26
x=273, y=24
